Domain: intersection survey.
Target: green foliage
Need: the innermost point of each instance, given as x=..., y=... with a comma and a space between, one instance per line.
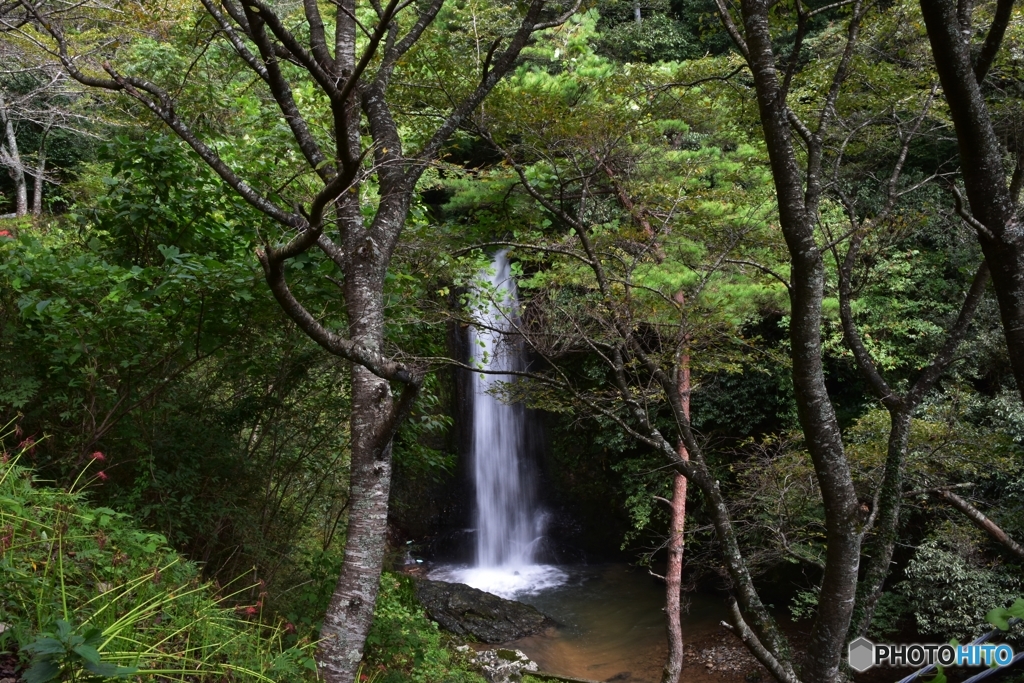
x=1000, y=616
x=144, y=331
x=406, y=645
x=155, y=196
x=668, y=31
x=656, y=38
x=950, y=585
x=805, y=603
x=64, y=653
x=753, y=401
x=87, y=594
x=892, y=611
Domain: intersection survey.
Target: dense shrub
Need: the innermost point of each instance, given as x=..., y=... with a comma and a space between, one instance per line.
x=950, y=589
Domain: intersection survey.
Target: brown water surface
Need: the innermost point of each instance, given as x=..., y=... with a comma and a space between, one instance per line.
x=611, y=624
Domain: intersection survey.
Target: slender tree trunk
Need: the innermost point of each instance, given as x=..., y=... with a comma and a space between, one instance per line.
x=350, y=612
x=879, y=547
x=37, y=186
x=1000, y=234
x=11, y=158
x=674, y=572
x=814, y=407
x=884, y=530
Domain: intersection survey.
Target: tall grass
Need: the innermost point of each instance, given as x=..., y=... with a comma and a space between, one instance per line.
x=84, y=593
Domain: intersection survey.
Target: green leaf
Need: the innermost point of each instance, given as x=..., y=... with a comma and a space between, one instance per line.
x=1000, y=618
x=93, y=635
x=1017, y=608
x=41, y=672
x=45, y=646
x=64, y=629
x=88, y=653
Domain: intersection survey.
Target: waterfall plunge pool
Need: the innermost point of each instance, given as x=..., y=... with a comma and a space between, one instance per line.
x=611, y=623
x=511, y=582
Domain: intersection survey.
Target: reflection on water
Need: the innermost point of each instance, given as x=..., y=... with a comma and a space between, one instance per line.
x=611, y=624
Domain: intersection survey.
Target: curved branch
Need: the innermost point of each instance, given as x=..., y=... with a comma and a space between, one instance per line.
x=851, y=334
x=561, y=19
x=742, y=631
x=372, y=360
x=762, y=268
x=954, y=337
x=994, y=38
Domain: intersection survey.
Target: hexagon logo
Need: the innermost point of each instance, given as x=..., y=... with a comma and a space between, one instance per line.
x=862, y=654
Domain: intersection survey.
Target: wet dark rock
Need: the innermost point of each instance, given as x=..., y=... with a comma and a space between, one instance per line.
x=463, y=610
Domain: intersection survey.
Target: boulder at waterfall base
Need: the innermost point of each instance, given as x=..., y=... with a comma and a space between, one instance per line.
x=464, y=610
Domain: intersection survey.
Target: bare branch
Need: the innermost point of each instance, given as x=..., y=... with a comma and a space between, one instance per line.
x=742, y=631
x=967, y=217
x=981, y=521
x=762, y=268
x=737, y=38
x=994, y=38
x=561, y=19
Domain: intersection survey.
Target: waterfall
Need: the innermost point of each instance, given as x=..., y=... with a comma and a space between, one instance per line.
x=509, y=522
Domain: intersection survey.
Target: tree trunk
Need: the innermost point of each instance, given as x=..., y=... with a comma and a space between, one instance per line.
x=674, y=572
x=981, y=158
x=814, y=408
x=10, y=157
x=350, y=612
x=674, y=577
x=879, y=548
x=37, y=186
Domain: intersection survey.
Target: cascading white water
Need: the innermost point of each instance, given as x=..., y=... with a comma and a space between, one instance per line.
x=509, y=523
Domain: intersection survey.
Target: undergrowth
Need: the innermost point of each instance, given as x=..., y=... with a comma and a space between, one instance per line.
x=405, y=646
x=84, y=594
